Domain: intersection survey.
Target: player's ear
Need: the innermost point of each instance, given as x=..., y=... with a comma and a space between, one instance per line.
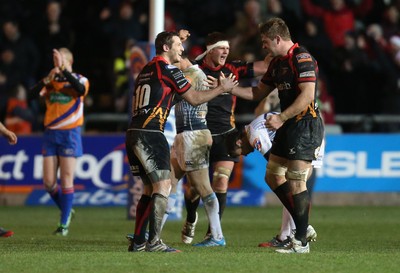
x=231, y=143
x=165, y=48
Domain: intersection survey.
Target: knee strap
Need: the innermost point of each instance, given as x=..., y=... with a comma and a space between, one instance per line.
x=221, y=172
x=276, y=169
x=301, y=175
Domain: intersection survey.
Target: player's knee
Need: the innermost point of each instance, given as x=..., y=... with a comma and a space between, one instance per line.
x=221, y=173
x=301, y=175
x=276, y=169
x=275, y=174
x=49, y=186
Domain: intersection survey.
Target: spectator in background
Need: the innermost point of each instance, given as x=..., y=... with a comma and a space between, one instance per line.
x=391, y=21
x=54, y=31
x=350, y=65
x=204, y=16
x=244, y=34
x=339, y=19
x=276, y=8
x=325, y=102
x=10, y=77
x=122, y=27
x=391, y=101
x=120, y=24
x=19, y=117
x=313, y=37
x=26, y=54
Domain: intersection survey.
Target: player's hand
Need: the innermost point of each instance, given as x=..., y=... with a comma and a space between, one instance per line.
x=184, y=34
x=268, y=58
x=53, y=73
x=11, y=137
x=211, y=82
x=274, y=122
x=57, y=58
x=228, y=83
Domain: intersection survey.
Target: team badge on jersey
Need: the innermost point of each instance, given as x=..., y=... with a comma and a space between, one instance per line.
x=171, y=66
x=307, y=74
x=303, y=57
x=257, y=144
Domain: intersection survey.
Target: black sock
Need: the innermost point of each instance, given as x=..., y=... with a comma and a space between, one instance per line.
x=191, y=208
x=142, y=218
x=284, y=194
x=221, y=196
x=300, y=216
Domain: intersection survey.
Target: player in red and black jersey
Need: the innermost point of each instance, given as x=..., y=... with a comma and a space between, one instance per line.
x=220, y=117
x=147, y=148
x=299, y=128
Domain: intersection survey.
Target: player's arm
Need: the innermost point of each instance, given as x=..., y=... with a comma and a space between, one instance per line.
x=261, y=67
x=11, y=137
x=196, y=97
x=256, y=93
x=39, y=87
x=76, y=85
x=305, y=98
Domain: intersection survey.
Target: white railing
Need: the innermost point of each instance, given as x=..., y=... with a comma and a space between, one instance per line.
x=110, y=120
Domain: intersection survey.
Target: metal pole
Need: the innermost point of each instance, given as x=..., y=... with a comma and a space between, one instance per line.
x=156, y=24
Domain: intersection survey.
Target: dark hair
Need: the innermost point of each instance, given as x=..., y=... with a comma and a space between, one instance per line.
x=215, y=37
x=164, y=38
x=274, y=27
x=231, y=140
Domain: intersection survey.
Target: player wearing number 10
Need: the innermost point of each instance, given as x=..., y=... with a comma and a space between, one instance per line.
x=147, y=148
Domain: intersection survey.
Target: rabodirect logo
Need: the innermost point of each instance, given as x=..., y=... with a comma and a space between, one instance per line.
x=360, y=164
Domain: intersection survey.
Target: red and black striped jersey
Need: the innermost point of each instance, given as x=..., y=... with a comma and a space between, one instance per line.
x=153, y=97
x=287, y=72
x=221, y=109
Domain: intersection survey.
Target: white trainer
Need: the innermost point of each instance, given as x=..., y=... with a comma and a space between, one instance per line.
x=311, y=234
x=295, y=247
x=188, y=231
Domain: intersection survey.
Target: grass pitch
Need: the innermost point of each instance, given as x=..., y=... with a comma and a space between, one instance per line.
x=350, y=239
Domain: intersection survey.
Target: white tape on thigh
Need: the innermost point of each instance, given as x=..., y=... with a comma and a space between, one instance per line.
x=301, y=175
x=221, y=172
x=276, y=169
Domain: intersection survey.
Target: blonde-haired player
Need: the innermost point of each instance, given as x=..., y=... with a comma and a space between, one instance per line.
x=64, y=93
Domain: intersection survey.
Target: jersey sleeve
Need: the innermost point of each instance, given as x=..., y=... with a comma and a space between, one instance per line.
x=240, y=69
x=305, y=66
x=176, y=80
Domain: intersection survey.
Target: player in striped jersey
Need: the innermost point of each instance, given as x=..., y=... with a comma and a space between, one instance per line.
x=64, y=93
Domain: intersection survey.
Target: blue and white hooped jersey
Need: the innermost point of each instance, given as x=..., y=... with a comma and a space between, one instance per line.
x=258, y=134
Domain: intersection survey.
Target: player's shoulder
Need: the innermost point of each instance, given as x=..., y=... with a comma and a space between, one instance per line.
x=301, y=55
x=234, y=64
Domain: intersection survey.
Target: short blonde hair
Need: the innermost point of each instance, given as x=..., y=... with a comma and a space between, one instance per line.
x=274, y=27
x=68, y=54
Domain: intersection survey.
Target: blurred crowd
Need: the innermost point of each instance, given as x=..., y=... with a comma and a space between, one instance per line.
x=356, y=43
